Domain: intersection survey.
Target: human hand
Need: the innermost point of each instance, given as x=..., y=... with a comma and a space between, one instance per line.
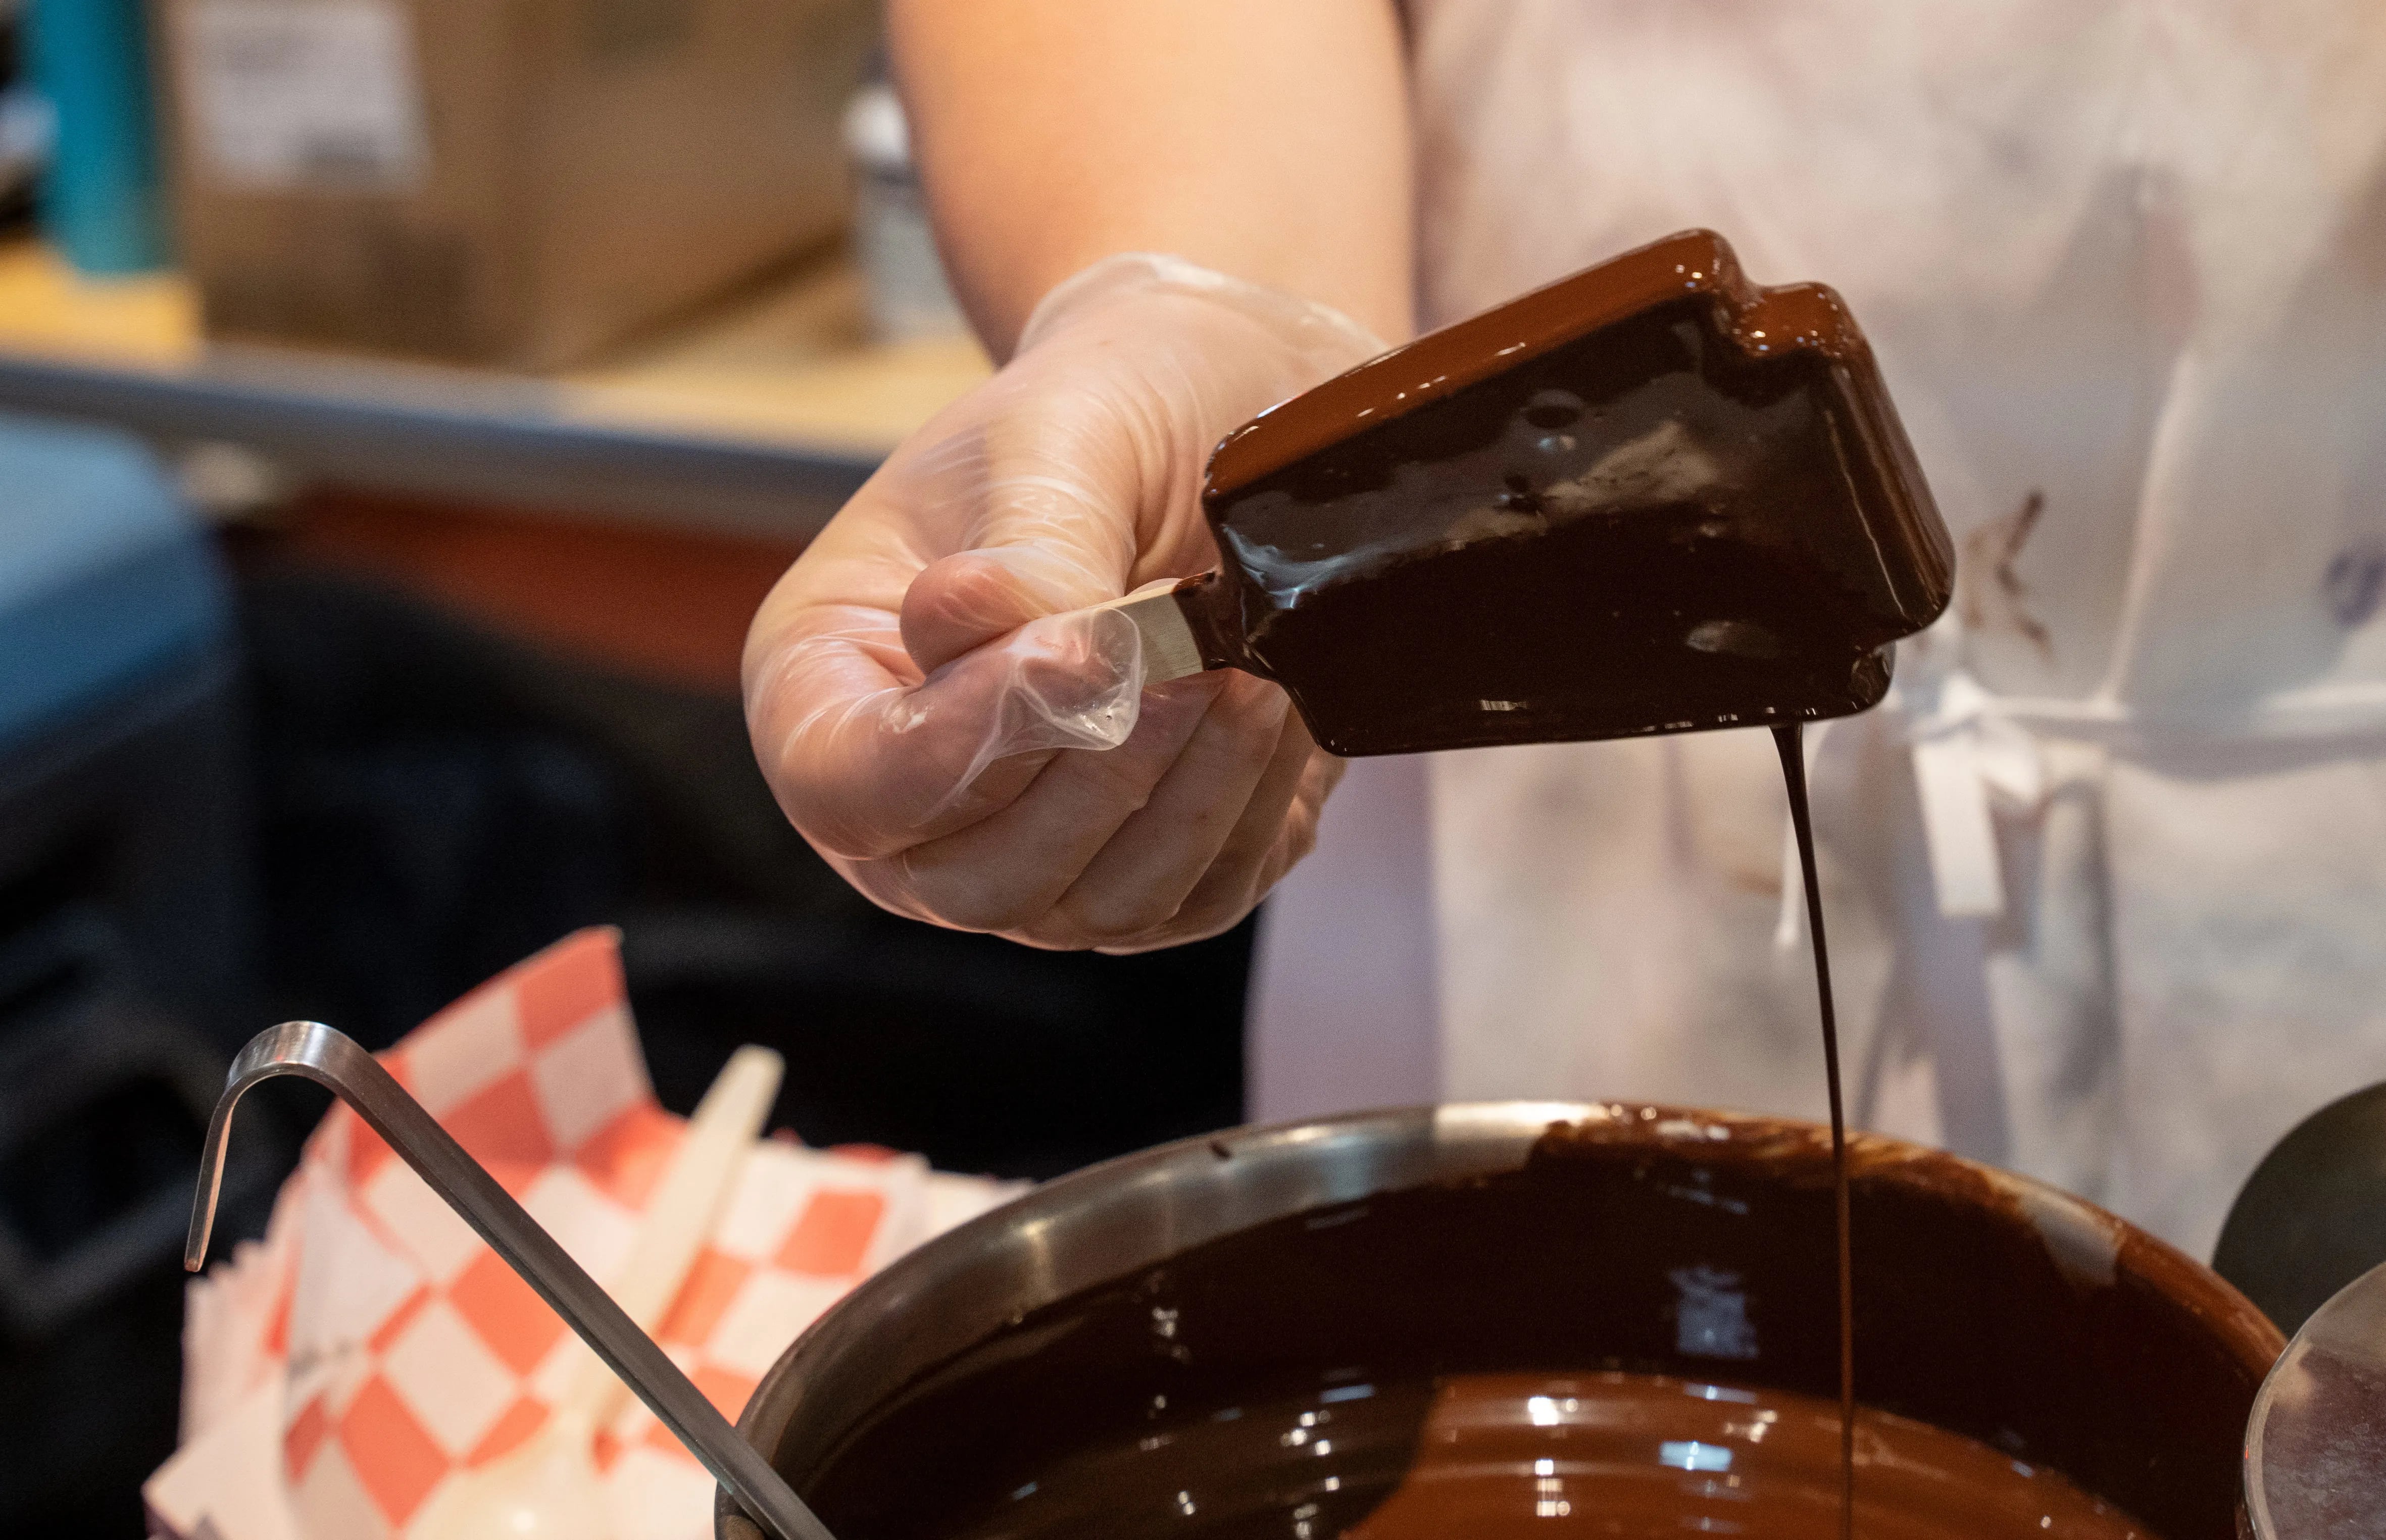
x=940, y=715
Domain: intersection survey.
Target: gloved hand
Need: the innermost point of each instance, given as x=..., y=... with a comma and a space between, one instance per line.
x=935, y=709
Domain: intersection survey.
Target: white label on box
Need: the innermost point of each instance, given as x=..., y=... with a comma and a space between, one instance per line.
x=303, y=93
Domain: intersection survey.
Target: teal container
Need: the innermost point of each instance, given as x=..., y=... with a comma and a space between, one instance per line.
x=101, y=203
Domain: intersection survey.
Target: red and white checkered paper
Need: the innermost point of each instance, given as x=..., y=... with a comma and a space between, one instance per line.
x=376, y=1346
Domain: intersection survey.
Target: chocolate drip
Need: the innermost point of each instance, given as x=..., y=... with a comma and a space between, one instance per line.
x=1793, y=778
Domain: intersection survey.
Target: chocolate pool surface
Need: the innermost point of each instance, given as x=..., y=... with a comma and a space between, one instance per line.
x=1534, y=1455
x=1638, y=1455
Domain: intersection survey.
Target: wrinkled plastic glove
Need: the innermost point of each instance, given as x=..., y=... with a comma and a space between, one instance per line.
x=941, y=715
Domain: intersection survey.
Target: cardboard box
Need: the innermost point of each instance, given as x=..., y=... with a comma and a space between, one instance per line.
x=512, y=182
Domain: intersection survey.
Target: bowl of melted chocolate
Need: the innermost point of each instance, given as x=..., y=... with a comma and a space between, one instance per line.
x=1525, y=1319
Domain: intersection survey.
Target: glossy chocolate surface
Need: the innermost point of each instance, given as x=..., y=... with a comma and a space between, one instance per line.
x=1646, y=1242
x=1645, y=1456
x=1648, y=498
x=1481, y=1456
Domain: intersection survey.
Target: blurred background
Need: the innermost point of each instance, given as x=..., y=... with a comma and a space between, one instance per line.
x=403, y=405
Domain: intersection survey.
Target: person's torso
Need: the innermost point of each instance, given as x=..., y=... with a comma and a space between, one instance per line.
x=2124, y=263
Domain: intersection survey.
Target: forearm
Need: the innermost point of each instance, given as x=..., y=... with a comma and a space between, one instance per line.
x=1266, y=139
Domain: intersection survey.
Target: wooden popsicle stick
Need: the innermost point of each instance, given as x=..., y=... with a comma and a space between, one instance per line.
x=1170, y=650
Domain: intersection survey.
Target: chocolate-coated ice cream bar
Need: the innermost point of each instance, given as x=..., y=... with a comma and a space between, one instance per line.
x=1651, y=497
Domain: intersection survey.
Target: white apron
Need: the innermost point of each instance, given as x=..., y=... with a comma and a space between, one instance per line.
x=2106, y=878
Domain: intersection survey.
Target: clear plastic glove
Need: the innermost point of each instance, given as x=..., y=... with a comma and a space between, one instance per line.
x=934, y=706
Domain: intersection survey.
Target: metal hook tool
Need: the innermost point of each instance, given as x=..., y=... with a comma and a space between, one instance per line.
x=330, y=1058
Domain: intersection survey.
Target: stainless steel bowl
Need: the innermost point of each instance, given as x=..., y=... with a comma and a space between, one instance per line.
x=1945, y=1246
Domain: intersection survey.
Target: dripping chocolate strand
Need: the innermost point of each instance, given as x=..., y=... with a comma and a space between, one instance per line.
x=1793, y=777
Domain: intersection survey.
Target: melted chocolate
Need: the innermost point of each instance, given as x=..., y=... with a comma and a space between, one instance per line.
x=1646, y=1456
x=1646, y=1242
x=1650, y=499
x=1484, y=1456
x=1794, y=779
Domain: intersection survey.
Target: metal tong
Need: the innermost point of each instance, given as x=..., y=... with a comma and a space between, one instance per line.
x=332, y=1059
